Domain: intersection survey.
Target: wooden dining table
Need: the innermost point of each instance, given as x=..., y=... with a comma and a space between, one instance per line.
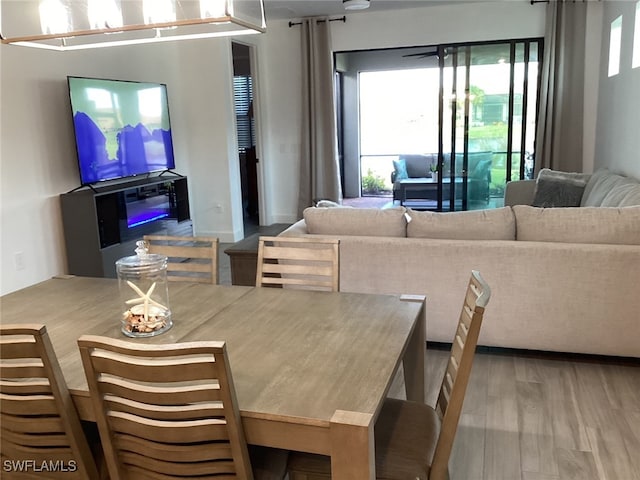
x=311, y=369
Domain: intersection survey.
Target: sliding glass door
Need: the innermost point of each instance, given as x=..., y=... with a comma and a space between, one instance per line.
x=488, y=104
x=468, y=108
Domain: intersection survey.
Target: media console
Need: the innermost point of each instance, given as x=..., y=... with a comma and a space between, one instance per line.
x=102, y=224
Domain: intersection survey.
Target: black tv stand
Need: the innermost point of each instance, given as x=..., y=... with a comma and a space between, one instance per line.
x=102, y=222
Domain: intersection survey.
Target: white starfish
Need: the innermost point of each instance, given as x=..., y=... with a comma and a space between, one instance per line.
x=144, y=298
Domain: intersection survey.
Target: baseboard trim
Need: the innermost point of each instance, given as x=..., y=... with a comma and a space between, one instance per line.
x=549, y=355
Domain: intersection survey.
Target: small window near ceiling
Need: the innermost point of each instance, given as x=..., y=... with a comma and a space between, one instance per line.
x=54, y=17
x=159, y=11
x=104, y=14
x=615, y=42
x=635, y=62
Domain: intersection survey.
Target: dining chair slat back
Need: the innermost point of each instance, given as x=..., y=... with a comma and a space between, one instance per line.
x=190, y=259
x=166, y=411
x=298, y=262
x=414, y=440
x=456, y=377
x=39, y=428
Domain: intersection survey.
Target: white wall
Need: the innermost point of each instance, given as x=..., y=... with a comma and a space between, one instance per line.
x=206, y=129
x=593, y=44
x=279, y=117
x=617, y=140
x=479, y=21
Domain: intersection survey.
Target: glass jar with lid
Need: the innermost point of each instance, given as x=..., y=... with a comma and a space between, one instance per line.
x=142, y=280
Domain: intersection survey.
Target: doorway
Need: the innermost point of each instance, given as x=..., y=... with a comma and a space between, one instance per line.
x=243, y=93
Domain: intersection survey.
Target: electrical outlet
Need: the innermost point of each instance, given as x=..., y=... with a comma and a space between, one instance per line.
x=18, y=260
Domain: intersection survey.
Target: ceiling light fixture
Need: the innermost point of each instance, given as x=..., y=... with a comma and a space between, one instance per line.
x=355, y=4
x=79, y=24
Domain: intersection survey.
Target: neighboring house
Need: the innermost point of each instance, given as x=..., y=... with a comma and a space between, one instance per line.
x=36, y=141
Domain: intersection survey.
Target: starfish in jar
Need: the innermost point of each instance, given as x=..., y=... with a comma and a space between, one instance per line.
x=144, y=298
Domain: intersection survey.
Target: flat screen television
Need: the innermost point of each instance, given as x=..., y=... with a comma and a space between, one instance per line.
x=122, y=128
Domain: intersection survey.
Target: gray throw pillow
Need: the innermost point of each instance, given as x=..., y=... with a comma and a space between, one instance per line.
x=417, y=165
x=559, y=189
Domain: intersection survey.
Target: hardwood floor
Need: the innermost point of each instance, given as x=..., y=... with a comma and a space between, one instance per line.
x=541, y=417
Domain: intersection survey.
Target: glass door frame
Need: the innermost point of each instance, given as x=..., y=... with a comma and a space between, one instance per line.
x=454, y=51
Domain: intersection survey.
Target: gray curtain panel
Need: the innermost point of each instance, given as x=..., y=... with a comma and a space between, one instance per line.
x=560, y=124
x=319, y=168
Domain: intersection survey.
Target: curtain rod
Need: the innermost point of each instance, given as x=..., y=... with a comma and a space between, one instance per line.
x=339, y=19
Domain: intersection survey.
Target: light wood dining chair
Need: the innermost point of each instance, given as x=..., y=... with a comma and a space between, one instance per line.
x=170, y=412
x=190, y=259
x=39, y=421
x=299, y=262
x=414, y=440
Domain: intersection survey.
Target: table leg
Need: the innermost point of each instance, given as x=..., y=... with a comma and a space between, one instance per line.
x=352, y=446
x=403, y=194
x=413, y=361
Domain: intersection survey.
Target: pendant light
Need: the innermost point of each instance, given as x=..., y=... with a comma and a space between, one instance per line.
x=77, y=24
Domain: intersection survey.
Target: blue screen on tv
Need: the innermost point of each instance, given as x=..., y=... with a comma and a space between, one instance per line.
x=121, y=128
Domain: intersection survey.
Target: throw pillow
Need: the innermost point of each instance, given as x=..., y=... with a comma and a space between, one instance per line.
x=618, y=226
x=400, y=167
x=374, y=222
x=492, y=224
x=559, y=189
x=418, y=165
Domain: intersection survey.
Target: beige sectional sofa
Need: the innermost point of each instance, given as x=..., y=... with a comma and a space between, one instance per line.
x=563, y=279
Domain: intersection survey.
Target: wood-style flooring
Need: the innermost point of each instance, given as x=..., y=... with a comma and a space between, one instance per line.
x=543, y=417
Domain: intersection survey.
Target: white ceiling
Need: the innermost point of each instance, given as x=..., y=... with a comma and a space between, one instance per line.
x=295, y=9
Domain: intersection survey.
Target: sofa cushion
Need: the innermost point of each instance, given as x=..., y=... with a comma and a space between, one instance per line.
x=493, y=224
x=600, y=185
x=619, y=226
x=374, y=222
x=559, y=189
